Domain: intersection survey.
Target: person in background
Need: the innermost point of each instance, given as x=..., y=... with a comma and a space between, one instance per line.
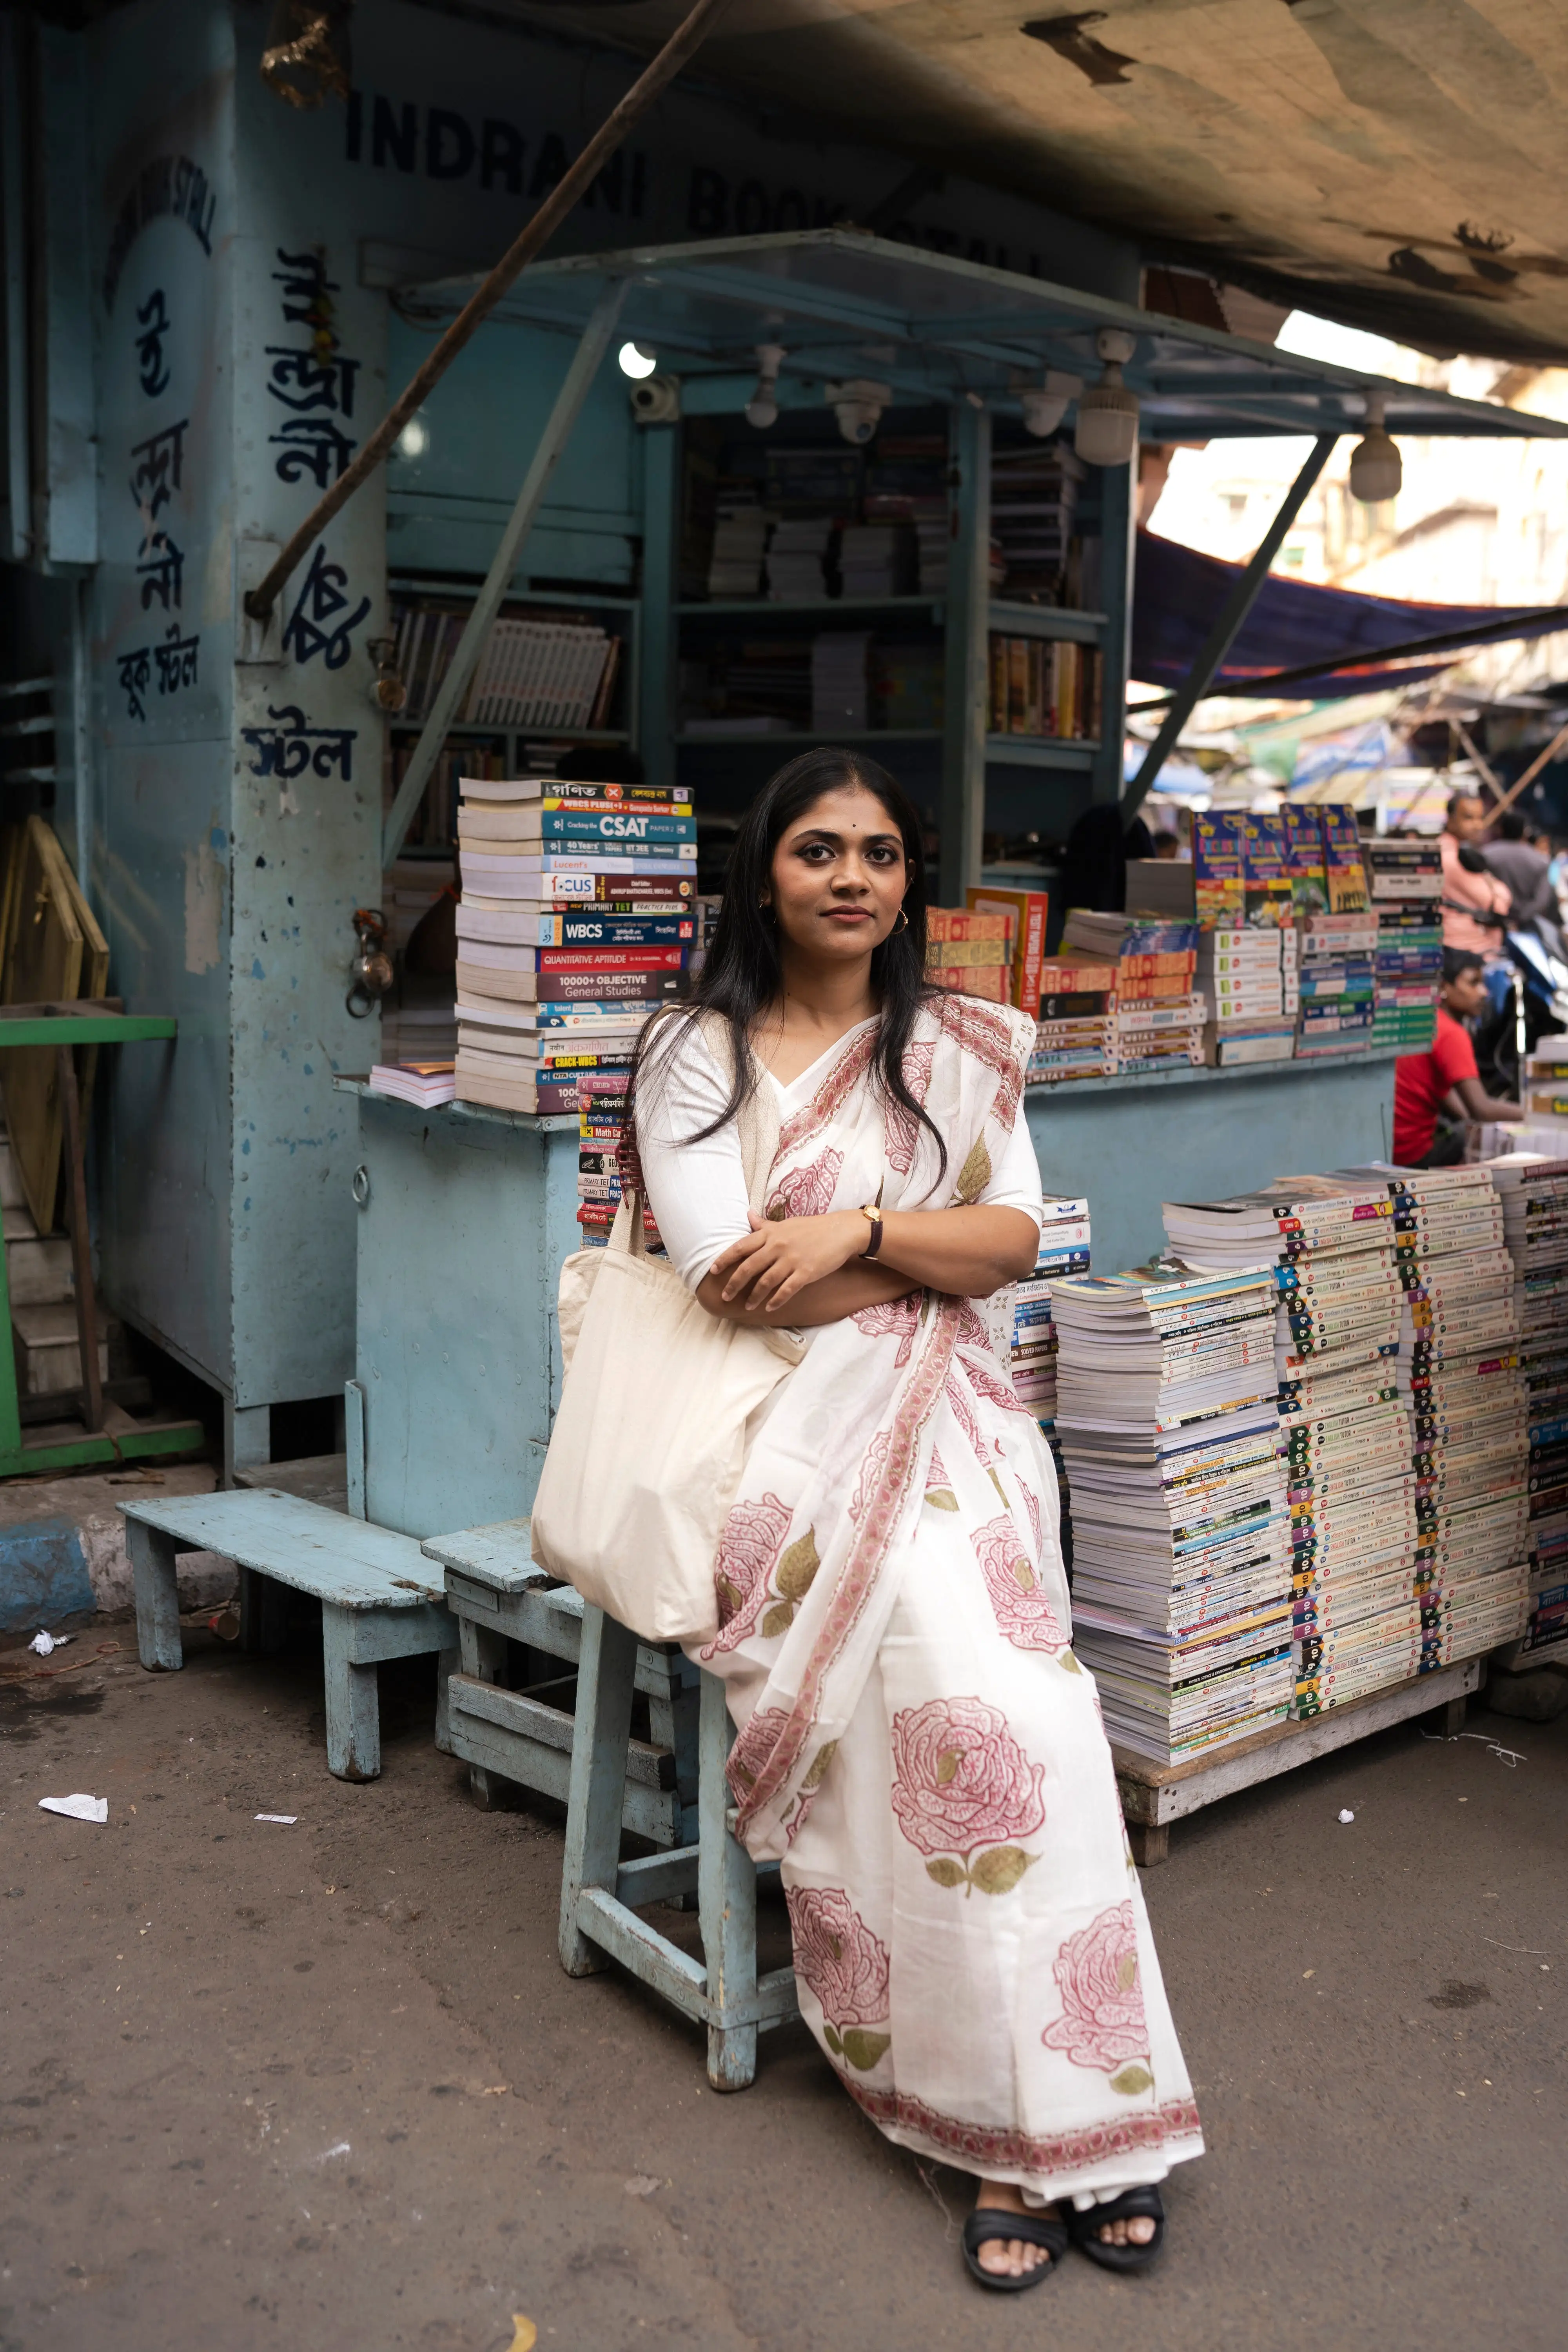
x=1514, y=857
x=1168, y=847
x=1476, y=903
x=1444, y=1078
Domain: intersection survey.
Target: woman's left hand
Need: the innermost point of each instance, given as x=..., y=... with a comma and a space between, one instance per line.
x=775, y=1260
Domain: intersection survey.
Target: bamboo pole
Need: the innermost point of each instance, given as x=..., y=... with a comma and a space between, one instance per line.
x=681, y=45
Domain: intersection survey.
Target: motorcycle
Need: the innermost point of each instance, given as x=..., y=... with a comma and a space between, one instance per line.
x=1528, y=992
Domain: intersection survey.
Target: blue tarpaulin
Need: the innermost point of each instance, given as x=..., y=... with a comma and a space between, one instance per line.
x=1177, y=596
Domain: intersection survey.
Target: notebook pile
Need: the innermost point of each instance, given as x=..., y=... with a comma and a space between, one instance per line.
x=577, y=920
x=1064, y=1250
x=740, y=537
x=1248, y=981
x=1405, y=876
x=797, y=559
x=1034, y=502
x=1534, y=1196
x=1157, y=1016
x=1167, y=1420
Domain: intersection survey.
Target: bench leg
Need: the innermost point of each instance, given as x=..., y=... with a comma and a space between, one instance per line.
x=484, y=1657
x=354, y=1703
x=444, y=1662
x=597, y=1789
x=1150, y=1842
x=263, y=1611
x=727, y=1900
x=157, y=1591
x=1452, y=1713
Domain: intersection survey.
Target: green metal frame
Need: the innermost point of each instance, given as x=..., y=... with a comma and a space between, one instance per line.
x=119, y=1438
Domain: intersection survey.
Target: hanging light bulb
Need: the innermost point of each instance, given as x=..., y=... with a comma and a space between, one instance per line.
x=762, y=408
x=1377, y=468
x=1045, y=404
x=1107, y=430
x=637, y=360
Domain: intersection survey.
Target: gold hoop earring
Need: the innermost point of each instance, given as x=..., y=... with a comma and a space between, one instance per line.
x=903, y=923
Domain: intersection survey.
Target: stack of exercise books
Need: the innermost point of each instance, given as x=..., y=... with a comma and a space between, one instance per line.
x=797, y=559
x=740, y=537
x=1075, y=1037
x=1167, y=1420
x=1064, y=1250
x=426, y=1085
x=1534, y=1196
x=1158, y=1016
x=577, y=921
x=1034, y=501
x=1336, y=981
x=972, y=950
x=1248, y=978
x=877, y=559
x=1405, y=878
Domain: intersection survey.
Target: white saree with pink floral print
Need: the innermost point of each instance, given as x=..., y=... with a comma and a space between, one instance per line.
x=918, y=1746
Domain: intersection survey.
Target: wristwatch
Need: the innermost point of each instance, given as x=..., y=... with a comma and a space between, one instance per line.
x=871, y=1210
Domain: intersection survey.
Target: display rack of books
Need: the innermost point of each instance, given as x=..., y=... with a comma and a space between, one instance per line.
x=1405, y=878
x=1034, y=506
x=1158, y=1017
x=577, y=920
x=1337, y=981
x=550, y=671
x=1044, y=687
x=1248, y=980
x=1534, y=1196
x=1167, y=1420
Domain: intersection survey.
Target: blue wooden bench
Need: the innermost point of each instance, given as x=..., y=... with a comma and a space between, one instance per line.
x=379, y=1596
x=499, y=1593
x=602, y=1896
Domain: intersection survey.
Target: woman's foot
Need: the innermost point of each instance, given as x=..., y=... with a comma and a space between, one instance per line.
x=1010, y=2257
x=1125, y=2232
x=1138, y=2231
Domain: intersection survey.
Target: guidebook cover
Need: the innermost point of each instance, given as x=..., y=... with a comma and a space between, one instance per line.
x=1217, y=878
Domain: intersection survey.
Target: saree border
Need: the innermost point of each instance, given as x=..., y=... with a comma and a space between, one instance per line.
x=950, y=2137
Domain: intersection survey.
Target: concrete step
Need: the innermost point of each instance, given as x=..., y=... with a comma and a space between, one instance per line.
x=48, y=1357
x=38, y=1271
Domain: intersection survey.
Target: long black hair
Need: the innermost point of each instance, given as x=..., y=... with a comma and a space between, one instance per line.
x=741, y=976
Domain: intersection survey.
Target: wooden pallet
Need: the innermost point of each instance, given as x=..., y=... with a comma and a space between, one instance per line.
x=1155, y=1795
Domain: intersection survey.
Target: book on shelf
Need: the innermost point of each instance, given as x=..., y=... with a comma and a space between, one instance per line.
x=552, y=670
x=1028, y=909
x=1043, y=686
x=481, y=973
x=1219, y=886
x=560, y=792
x=490, y=828
x=424, y=1084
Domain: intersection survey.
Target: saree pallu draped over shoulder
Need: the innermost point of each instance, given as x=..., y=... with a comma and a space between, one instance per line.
x=918, y=1746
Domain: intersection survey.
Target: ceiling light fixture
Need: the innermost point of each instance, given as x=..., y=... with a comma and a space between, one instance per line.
x=1377, y=468
x=637, y=360
x=1045, y=404
x=762, y=408
x=1107, y=429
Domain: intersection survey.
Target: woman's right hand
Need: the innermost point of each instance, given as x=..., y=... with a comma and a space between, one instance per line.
x=780, y=1258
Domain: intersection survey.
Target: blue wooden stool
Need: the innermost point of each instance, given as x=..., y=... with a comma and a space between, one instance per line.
x=600, y=1895
x=380, y=1598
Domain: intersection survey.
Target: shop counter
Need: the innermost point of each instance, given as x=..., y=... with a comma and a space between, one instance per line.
x=465, y=1214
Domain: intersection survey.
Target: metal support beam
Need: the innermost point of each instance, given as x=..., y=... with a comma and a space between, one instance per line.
x=968, y=613
x=657, y=624
x=1226, y=628
x=568, y=407
x=1118, y=556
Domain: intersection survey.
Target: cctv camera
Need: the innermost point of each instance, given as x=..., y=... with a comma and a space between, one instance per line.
x=656, y=400
x=859, y=404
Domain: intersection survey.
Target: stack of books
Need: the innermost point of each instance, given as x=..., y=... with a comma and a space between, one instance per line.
x=970, y=950
x=1034, y=501
x=840, y=682
x=1064, y=1252
x=740, y=538
x=1337, y=981
x=426, y=1085
x=1075, y=1037
x=577, y=921
x=408, y=891
x=1044, y=687
x=877, y=558
x=1249, y=981
x=1544, y=1086
x=797, y=559
x=1158, y=1015
x=1534, y=1195
x=1167, y=1419
x=1405, y=875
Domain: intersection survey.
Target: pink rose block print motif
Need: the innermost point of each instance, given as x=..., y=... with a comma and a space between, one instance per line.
x=844, y=1965
x=807, y=1191
x=961, y=1783
x=743, y=1564
x=897, y=1318
x=1102, y=2022
x=903, y=1133
x=1023, y=1612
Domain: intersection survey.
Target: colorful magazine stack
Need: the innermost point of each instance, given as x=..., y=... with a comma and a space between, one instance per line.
x=1076, y=1033
x=1336, y=978
x=1064, y=1250
x=1534, y=1195
x=1406, y=881
x=1158, y=1016
x=1167, y=1419
x=576, y=920
x=970, y=950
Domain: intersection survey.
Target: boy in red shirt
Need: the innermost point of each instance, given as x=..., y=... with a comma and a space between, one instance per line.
x=1445, y=1077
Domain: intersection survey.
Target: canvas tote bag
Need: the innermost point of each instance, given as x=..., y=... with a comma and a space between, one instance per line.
x=649, y=1439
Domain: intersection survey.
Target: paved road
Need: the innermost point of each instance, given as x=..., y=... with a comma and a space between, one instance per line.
x=325, y=2087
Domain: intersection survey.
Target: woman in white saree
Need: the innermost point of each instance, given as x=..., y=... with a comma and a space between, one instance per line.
x=917, y=1746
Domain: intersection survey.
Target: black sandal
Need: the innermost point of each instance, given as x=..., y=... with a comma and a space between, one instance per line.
x=1132, y=2205
x=991, y=2221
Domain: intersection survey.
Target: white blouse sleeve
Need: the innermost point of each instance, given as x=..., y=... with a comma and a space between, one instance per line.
x=696, y=1191
x=1015, y=1180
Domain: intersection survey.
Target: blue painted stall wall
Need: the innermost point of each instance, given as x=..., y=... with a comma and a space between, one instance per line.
x=43, y=1574
x=162, y=622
